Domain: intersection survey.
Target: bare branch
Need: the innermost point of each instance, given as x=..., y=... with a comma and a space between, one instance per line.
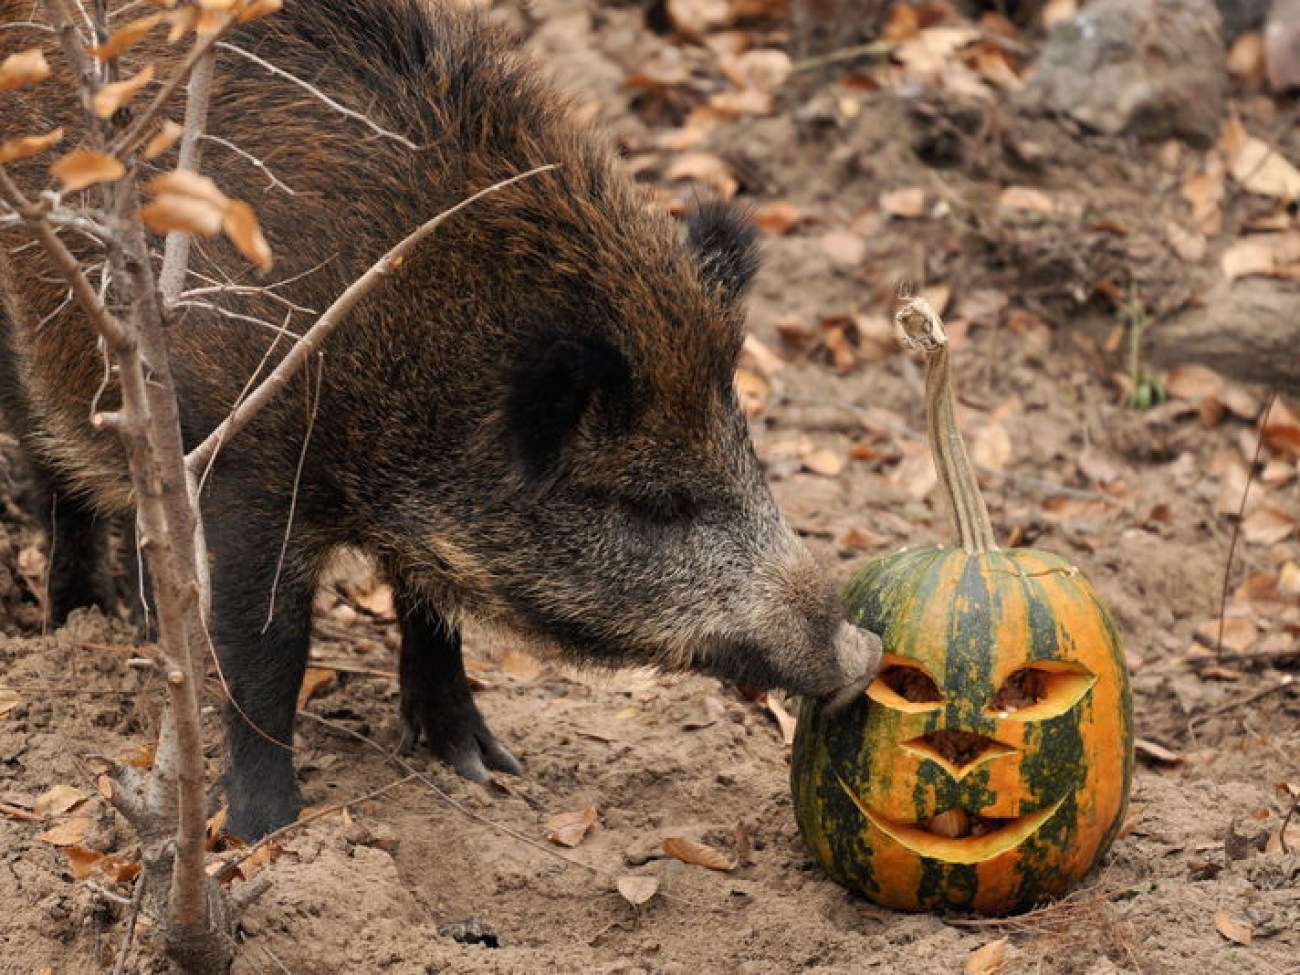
x=314, y=336
x=176, y=254
x=65, y=263
x=275, y=182
x=319, y=95
x=245, y=289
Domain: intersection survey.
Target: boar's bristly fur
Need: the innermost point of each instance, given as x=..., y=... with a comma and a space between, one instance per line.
x=531, y=421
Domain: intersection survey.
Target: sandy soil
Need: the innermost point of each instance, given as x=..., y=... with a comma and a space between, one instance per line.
x=1134, y=498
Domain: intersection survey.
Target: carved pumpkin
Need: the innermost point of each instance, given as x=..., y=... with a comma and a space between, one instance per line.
x=988, y=766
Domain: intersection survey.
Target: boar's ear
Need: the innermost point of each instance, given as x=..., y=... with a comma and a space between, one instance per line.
x=726, y=245
x=555, y=382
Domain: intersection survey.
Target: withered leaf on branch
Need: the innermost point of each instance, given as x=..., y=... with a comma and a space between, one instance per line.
x=86, y=167
x=697, y=854
x=188, y=214
x=166, y=137
x=126, y=36
x=242, y=228
x=25, y=146
x=113, y=96
x=254, y=9
x=24, y=68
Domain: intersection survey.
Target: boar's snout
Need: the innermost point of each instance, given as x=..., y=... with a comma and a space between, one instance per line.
x=858, y=653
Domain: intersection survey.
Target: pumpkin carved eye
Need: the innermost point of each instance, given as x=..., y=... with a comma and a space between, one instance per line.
x=905, y=686
x=1041, y=690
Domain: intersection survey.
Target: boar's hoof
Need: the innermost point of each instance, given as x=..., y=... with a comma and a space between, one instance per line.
x=859, y=653
x=465, y=744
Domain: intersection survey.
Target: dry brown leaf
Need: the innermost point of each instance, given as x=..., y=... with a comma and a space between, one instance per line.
x=825, y=462
x=85, y=167
x=1026, y=198
x=991, y=447
x=9, y=699
x=637, y=889
x=58, y=800
x=26, y=146
x=761, y=357
x=142, y=756
x=1192, y=382
x=1288, y=582
x=68, y=833
x=1189, y=245
x=844, y=248
x=704, y=167
x=116, y=94
x=82, y=863
x=763, y=70
x=1055, y=11
x=1232, y=928
x=987, y=960
x=569, y=829
x=752, y=390
x=171, y=212
x=784, y=719
x=696, y=17
x=127, y=36
x=1267, y=526
x=1238, y=633
x=856, y=539
x=697, y=854
x=916, y=475
x=165, y=138
x=1259, y=168
x=1157, y=753
x=250, y=10
x=315, y=681
x=1246, y=60
x=775, y=216
x=1232, y=488
x=1282, y=429
x=183, y=182
x=24, y=68
x=520, y=665
x=245, y=232
x=908, y=202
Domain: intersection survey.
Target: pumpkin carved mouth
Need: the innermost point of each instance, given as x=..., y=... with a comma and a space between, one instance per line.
x=957, y=835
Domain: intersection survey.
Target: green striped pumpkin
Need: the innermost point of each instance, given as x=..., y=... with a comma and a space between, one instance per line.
x=988, y=766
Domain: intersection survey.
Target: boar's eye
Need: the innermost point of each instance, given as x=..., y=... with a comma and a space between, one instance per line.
x=726, y=245
x=553, y=384
x=662, y=508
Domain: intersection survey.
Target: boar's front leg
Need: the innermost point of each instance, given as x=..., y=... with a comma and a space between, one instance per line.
x=436, y=699
x=263, y=658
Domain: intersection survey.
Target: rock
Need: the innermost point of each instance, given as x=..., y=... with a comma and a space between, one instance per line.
x=1154, y=69
x=1282, y=45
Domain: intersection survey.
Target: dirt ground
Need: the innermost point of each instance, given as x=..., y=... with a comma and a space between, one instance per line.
x=439, y=875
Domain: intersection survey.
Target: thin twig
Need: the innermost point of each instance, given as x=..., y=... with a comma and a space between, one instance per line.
x=1288, y=681
x=128, y=936
x=311, y=340
x=1236, y=528
x=319, y=95
x=276, y=182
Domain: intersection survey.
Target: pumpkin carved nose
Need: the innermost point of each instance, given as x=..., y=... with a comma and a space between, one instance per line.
x=959, y=752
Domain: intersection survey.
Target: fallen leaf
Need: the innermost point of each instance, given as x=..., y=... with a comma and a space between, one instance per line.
x=520, y=665
x=916, y=475
x=1267, y=526
x=26, y=146
x=763, y=70
x=1192, y=382
x=1190, y=245
x=1246, y=61
x=24, y=68
x=68, y=833
x=1026, y=198
x=9, y=700
x=909, y=202
x=697, y=854
x=116, y=94
x=752, y=390
x=1288, y=582
x=826, y=462
x=860, y=540
x=775, y=216
x=991, y=448
x=85, y=167
x=784, y=719
x=1233, y=929
x=82, y=862
x=569, y=829
x=987, y=960
x=58, y=800
x=762, y=358
x=704, y=167
x=1055, y=11
x=315, y=681
x=844, y=248
x=1238, y=633
x=1282, y=429
x=1157, y=753
x=637, y=889
x=1259, y=168
x=696, y=17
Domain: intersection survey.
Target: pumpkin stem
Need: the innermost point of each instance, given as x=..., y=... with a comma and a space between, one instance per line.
x=923, y=329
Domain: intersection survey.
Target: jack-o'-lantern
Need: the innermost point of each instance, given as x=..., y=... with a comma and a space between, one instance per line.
x=988, y=766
